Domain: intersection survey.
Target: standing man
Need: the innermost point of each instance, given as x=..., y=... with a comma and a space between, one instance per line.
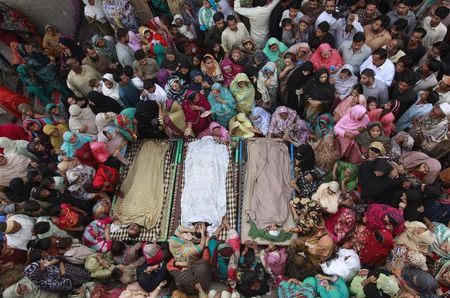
x=376, y=34
x=275, y=18
x=355, y=52
x=384, y=69
x=403, y=12
x=234, y=34
x=125, y=53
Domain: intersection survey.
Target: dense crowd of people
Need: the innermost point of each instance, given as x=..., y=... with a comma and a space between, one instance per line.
x=361, y=89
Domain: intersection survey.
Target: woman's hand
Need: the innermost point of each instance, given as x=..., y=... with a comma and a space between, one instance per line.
x=349, y=136
x=188, y=132
x=196, y=108
x=206, y=114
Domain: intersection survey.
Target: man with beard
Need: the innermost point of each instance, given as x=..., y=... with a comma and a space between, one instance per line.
x=414, y=47
x=376, y=34
x=99, y=62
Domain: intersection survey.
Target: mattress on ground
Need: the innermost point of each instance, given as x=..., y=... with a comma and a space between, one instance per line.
x=245, y=204
x=160, y=230
x=231, y=187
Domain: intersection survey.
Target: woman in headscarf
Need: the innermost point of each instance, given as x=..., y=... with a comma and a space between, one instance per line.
x=347, y=129
x=428, y=131
x=175, y=89
x=120, y=14
x=147, y=114
x=416, y=237
x=441, y=244
x=302, y=52
x=244, y=93
x=104, y=46
x=211, y=68
x=194, y=105
x=328, y=196
x=41, y=151
x=93, y=11
x=171, y=60
x=380, y=216
x=422, y=282
x=341, y=225
x=356, y=97
x=107, y=133
x=377, y=248
x=12, y=166
x=326, y=56
x=274, y=49
x=55, y=133
x=261, y=120
x=386, y=116
x=110, y=87
x=205, y=15
x=199, y=82
x=173, y=119
x=373, y=133
x=248, y=47
x=45, y=70
x=216, y=50
x=73, y=142
x=346, y=265
x=82, y=120
x=293, y=287
x=217, y=131
x=15, y=146
x=267, y=85
x=319, y=94
x=296, y=81
x=126, y=123
x=51, y=43
x=344, y=80
x=254, y=64
x=420, y=165
x=375, y=181
x=240, y=126
x=285, y=123
x=307, y=177
x=223, y=105
x=57, y=112
x=346, y=174
x=100, y=103
x=103, y=120
x=229, y=71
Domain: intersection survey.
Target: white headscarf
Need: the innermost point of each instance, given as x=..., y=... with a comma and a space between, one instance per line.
x=114, y=91
x=95, y=11
x=345, y=266
x=328, y=202
x=103, y=120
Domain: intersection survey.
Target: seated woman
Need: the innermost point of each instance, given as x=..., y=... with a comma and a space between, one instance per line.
x=341, y=225
x=211, y=68
x=377, y=248
x=344, y=81
x=244, y=93
x=286, y=124
x=12, y=265
x=267, y=85
x=319, y=95
x=355, y=97
x=345, y=266
x=260, y=119
x=386, y=116
x=328, y=196
x=175, y=89
x=346, y=174
x=240, y=126
x=189, y=265
x=199, y=82
x=194, y=106
x=372, y=133
x=299, y=77
x=73, y=142
x=43, y=152
x=54, y=275
x=347, y=129
x=417, y=282
x=254, y=65
x=55, y=133
x=230, y=70
x=327, y=57
x=97, y=236
x=379, y=283
x=441, y=245
x=82, y=120
x=100, y=103
x=274, y=49
x=154, y=270
x=217, y=131
x=384, y=217
x=108, y=134
x=420, y=165
x=223, y=105
x=126, y=123
x=375, y=182
x=173, y=119
x=147, y=117
x=69, y=218
x=416, y=237
x=428, y=131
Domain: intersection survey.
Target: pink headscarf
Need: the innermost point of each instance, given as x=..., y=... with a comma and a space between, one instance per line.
x=276, y=261
x=100, y=151
x=354, y=119
x=224, y=136
x=135, y=41
x=319, y=62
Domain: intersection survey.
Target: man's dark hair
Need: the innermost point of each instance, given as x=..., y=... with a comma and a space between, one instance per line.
x=381, y=52
x=421, y=31
x=324, y=27
x=359, y=36
x=400, y=24
x=149, y=83
x=368, y=72
x=385, y=21
x=231, y=18
x=218, y=16
x=139, y=55
x=121, y=33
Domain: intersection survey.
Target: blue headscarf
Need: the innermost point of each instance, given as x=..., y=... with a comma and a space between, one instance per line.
x=70, y=148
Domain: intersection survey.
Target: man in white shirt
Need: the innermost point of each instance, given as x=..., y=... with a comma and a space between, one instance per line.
x=436, y=31
x=18, y=230
x=153, y=91
x=259, y=20
x=384, y=69
x=328, y=16
x=234, y=34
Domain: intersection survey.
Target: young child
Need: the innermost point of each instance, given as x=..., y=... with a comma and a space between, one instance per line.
x=96, y=85
x=205, y=15
x=304, y=29
x=289, y=35
x=293, y=13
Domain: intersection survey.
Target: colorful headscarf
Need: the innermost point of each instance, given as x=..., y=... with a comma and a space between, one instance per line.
x=70, y=148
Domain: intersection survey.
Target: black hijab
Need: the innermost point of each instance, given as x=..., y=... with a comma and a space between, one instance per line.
x=305, y=155
x=377, y=188
x=147, y=113
x=414, y=199
x=103, y=103
x=297, y=79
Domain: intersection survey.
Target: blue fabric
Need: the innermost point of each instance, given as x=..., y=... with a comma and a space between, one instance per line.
x=70, y=148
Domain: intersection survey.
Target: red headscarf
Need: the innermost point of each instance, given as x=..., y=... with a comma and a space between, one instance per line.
x=319, y=62
x=374, y=254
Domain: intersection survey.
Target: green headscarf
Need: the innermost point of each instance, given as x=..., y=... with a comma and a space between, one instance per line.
x=264, y=235
x=274, y=56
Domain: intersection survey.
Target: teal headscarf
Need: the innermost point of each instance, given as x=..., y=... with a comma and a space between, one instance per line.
x=274, y=56
x=70, y=148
